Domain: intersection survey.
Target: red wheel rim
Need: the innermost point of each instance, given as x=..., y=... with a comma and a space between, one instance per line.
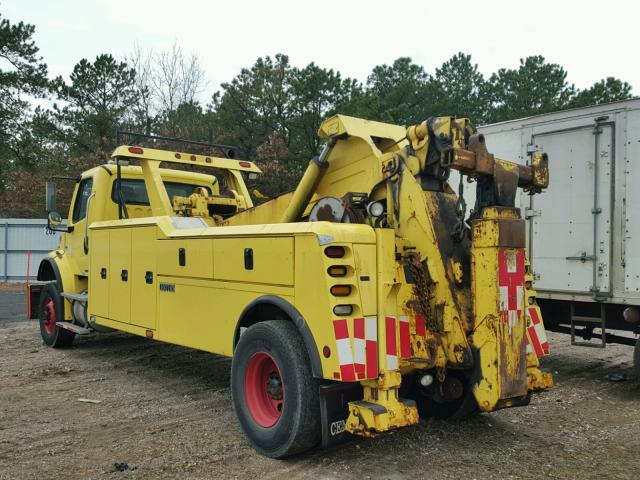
x=264, y=389
x=48, y=315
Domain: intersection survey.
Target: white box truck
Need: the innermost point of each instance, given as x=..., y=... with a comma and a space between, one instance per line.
x=584, y=232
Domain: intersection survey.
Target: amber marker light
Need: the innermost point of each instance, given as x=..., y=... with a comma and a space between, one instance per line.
x=340, y=290
x=337, y=270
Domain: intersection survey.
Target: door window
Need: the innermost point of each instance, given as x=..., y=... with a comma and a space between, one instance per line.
x=80, y=207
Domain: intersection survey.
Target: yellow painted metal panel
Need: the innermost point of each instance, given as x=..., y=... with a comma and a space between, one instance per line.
x=365, y=263
x=98, y=286
x=119, y=269
x=124, y=327
x=198, y=258
x=199, y=316
x=144, y=281
x=272, y=260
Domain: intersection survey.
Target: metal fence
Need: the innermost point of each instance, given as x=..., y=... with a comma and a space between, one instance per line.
x=18, y=237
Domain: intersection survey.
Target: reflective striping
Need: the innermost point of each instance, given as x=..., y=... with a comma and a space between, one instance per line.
x=392, y=362
x=347, y=369
x=533, y=342
x=344, y=351
x=371, y=329
x=357, y=356
x=359, y=346
x=390, y=330
x=511, y=285
x=343, y=344
x=391, y=343
x=341, y=329
x=371, y=346
x=504, y=298
x=519, y=297
x=405, y=337
x=537, y=333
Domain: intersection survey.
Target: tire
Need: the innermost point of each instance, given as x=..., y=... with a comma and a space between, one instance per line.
x=275, y=396
x=636, y=358
x=50, y=311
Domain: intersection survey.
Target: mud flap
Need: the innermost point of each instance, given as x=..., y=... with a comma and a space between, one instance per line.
x=334, y=411
x=33, y=297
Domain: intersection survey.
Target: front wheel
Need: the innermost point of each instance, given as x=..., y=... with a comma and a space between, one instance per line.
x=51, y=311
x=274, y=394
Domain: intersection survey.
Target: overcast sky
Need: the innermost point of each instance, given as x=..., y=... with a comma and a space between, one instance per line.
x=592, y=40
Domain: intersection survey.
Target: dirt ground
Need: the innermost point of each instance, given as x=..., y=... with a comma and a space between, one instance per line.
x=166, y=412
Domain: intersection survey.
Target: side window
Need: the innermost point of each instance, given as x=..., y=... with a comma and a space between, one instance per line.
x=134, y=192
x=80, y=207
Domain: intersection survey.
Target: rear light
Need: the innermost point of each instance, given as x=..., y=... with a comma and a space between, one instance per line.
x=208, y=159
x=136, y=150
x=326, y=351
x=337, y=270
x=193, y=158
x=340, y=290
x=527, y=285
x=343, y=310
x=245, y=164
x=334, y=252
x=178, y=156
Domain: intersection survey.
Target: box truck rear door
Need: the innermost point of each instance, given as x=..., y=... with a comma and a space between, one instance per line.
x=571, y=226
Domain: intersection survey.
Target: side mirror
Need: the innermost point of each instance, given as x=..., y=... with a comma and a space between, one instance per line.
x=50, y=192
x=54, y=218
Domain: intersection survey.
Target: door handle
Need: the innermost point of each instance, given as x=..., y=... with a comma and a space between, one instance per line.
x=124, y=275
x=148, y=277
x=583, y=257
x=248, y=258
x=103, y=273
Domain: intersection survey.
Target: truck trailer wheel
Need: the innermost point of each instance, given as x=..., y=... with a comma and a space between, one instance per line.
x=51, y=310
x=275, y=396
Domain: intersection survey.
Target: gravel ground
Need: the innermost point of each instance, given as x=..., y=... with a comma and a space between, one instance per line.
x=165, y=412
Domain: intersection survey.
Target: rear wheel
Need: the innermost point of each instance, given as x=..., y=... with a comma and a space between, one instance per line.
x=274, y=394
x=51, y=311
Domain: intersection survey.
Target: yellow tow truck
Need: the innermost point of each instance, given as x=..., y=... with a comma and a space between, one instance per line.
x=355, y=304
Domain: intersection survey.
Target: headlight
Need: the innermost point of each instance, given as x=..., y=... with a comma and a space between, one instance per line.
x=375, y=209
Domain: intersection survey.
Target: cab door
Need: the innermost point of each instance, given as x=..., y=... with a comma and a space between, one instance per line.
x=79, y=216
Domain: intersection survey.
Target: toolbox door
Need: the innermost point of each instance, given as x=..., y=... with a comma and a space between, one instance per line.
x=143, y=277
x=120, y=274
x=570, y=229
x=99, y=274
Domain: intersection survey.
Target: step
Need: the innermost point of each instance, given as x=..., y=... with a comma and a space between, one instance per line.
x=77, y=297
x=72, y=327
x=582, y=319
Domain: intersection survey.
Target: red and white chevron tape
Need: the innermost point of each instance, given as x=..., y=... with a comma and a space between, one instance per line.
x=357, y=355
